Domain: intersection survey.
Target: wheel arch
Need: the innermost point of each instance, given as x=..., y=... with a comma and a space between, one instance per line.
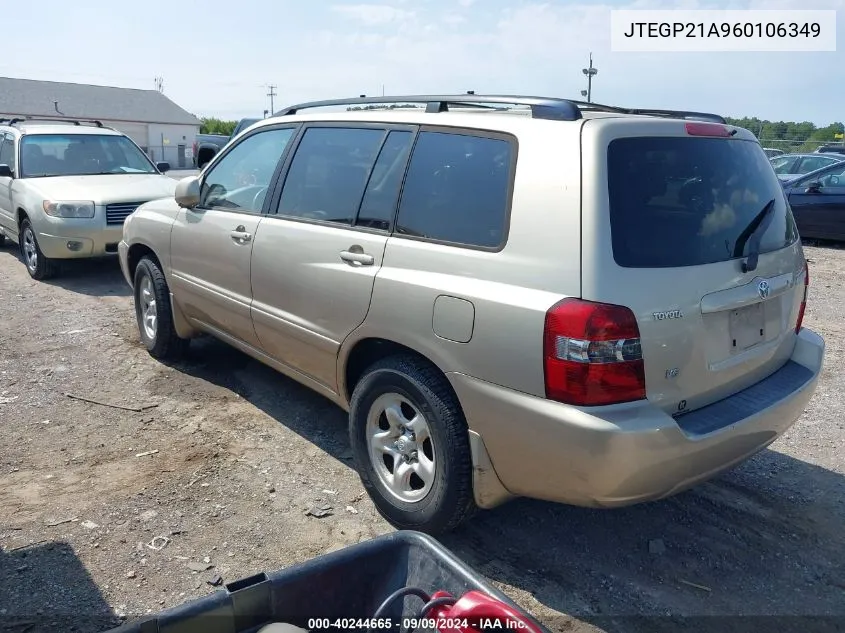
x=488, y=490
x=361, y=354
x=135, y=254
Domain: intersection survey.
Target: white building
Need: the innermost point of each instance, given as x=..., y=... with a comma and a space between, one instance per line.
x=163, y=129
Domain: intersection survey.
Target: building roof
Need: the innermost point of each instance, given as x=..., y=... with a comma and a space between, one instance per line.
x=29, y=97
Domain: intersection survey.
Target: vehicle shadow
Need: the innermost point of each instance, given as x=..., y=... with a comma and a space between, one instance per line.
x=831, y=244
x=764, y=538
x=45, y=587
x=94, y=277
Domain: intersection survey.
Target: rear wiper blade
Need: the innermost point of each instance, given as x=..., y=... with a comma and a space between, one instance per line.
x=754, y=231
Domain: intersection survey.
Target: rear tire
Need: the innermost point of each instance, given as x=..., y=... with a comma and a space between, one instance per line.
x=153, y=313
x=411, y=446
x=37, y=264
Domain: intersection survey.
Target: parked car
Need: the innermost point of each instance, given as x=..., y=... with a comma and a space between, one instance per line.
x=818, y=203
x=552, y=306
x=771, y=153
x=833, y=148
x=65, y=189
x=207, y=145
x=242, y=125
x=790, y=166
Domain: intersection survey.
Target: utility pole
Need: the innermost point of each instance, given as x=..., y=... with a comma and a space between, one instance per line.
x=590, y=73
x=272, y=94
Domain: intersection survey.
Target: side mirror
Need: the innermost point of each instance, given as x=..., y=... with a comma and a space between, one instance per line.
x=163, y=167
x=188, y=192
x=6, y=171
x=814, y=187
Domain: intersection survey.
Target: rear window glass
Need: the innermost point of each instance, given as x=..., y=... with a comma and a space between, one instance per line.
x=687, y=201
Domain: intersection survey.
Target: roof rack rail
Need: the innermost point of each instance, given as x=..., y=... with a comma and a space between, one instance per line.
x=551, y=108
x=16, y=120
x=681, y=114
x=541, y=107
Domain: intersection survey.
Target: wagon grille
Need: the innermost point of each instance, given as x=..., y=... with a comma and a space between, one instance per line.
x=117, y=213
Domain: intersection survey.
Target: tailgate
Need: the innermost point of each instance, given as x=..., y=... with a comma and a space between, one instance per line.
x=688, y=227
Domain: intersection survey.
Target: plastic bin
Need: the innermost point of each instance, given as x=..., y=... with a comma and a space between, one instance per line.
x=346, y=584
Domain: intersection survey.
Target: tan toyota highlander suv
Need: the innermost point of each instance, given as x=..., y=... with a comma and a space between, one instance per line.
x=584, y=304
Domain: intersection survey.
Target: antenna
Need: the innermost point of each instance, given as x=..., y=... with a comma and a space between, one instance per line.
x=272, y=94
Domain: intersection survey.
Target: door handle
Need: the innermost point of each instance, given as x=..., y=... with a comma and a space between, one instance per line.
x=240, y=235
x=357, y=258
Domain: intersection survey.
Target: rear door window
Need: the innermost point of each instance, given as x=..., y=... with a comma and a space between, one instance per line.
x=681, y=201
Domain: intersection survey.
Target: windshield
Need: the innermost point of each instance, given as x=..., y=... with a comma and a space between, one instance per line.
x=687, y=201
x=81, y=155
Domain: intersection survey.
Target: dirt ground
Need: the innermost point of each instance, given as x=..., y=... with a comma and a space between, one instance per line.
x=231, y=455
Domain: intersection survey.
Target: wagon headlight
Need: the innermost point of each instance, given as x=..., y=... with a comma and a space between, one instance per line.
x=69, y=208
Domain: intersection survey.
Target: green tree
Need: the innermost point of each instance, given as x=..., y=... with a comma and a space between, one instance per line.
x=790, y=136
x=211, y=125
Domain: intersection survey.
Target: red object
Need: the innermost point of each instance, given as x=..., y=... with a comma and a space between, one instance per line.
x=804, y=300
x=707, y=129
x=475, y=612
x=585, y=381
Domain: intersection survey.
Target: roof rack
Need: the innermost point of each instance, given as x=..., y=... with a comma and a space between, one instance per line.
x=17, y=120
x=541, y=107
x=550, y=108
x=674, y=114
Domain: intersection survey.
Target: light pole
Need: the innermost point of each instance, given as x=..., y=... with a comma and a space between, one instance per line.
x=590, y=72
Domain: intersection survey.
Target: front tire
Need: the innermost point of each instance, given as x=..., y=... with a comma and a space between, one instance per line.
x=411, y=446
x=153, y=313
x=37, y=264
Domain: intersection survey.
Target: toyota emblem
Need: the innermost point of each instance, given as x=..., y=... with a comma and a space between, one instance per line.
x=763, y=289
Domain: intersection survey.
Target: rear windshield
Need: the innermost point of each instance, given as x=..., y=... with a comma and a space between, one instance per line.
x=687, y=201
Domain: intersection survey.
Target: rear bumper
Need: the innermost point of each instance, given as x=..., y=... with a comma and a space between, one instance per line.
x=625, y=454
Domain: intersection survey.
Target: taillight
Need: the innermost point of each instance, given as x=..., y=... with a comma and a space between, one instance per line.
x=804, y=300
x=592, y=354
x=708, y=129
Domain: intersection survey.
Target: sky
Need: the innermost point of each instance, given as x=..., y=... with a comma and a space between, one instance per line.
x=217, y=57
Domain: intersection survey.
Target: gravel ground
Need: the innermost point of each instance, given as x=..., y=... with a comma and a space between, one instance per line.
x=229, y=455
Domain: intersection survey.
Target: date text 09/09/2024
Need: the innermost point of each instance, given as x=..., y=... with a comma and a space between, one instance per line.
x=724, y=29
x=432, y=623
